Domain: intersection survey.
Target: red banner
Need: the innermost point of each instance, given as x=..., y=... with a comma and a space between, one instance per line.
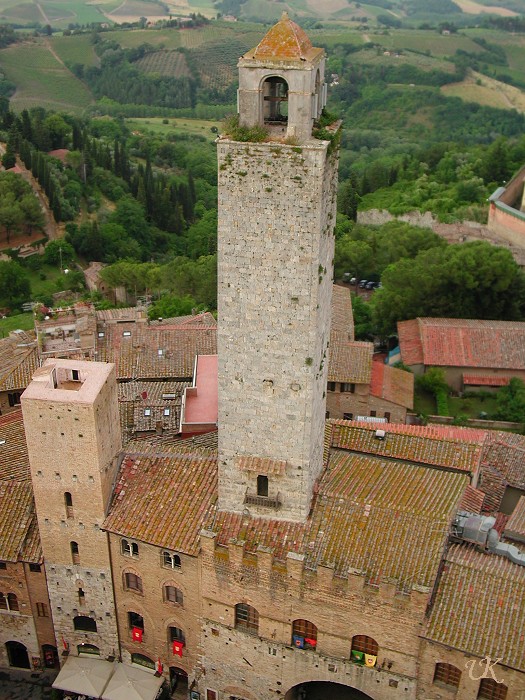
x=136, y=634
x=178, y=647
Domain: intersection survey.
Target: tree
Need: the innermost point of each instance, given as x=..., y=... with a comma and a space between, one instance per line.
x=59, y=252
x=14, y=285
x=511, y=401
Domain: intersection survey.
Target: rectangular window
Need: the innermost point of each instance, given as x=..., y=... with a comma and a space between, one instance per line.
x=3, y=565
x=166, y=411
x=41, y=610
x=126, y=334
x=372, y=414
x=387, y=415
x=35, y=568
x=147, y=411
x=327, y=415
x=331, y=386
x=211, y=694
x=348, y=416
x=347, y=388
x=75, y=375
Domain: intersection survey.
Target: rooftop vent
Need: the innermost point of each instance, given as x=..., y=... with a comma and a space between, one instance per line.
x=380, y=434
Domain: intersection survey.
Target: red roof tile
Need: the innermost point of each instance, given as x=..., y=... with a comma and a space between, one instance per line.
x=14, y=460
x=164, y=500
x=485, y=380
x=515, y=528
x=472, y=500
x=349, y=361
x=454, y=342
x=16, y=517
x=440, y=446
x=480, y=606
x=285, y=41
x=342, y=320
x=392, y=384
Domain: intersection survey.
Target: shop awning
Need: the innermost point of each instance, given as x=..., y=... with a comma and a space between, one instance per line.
x=132, y=683
x=84, y=676
x=97, y=678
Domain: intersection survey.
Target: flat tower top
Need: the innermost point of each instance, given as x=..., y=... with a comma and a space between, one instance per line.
x=285, y=41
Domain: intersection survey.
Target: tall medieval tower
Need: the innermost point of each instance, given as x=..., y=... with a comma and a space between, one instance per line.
x=277, y=208
x=72, y=427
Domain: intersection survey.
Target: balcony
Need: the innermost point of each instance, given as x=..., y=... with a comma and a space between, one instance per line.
x=254, y=499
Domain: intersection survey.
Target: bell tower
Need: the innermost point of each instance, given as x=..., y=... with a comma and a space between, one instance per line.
x=281, y=82
x=277, y=208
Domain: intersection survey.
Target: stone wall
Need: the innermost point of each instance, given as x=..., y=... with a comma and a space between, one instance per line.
x=432, y=653
x=361, y=403
x=277, y=207
x=17, y=626
x=282, y=593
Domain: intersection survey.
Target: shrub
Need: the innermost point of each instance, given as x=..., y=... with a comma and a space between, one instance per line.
x=232, y=128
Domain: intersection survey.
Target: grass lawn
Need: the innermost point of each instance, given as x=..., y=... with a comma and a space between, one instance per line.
x=472, y=406
x=43, y=287
x=12, y=323
x=196, y=127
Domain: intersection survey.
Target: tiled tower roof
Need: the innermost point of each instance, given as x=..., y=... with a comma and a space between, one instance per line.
x=285, y=40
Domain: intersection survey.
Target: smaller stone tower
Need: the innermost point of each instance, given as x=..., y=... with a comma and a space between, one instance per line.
x=281, y=82
x=72, y=427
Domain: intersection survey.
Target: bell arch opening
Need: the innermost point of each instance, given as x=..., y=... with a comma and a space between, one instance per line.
x=321, y=690
x=275, y=101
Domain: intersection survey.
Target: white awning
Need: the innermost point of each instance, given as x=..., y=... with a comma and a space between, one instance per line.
x=97, y=678
x=84, y=676
x=132, y=683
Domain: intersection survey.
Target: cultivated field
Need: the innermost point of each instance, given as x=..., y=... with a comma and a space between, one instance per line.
x=487, y=91
x=42, y=80
x=195, y=127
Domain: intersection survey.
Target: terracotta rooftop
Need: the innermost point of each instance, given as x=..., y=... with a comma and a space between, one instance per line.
x=141, y=351
x=14, y=460
x=515, y=527
x=454, y=342
x=16, y=517
x=144, y=404
x=285, y=41
x=472, y=500
x=505, y=452
x=392, y=384
x=18, y=360
x=485, y=380
x=130, y=313
x=164, y=500
x=167, y=446
x=440, y=446
x=350, y=361
x=480, y=606
x=342, y=314
x=200, y=405
x=370, y=516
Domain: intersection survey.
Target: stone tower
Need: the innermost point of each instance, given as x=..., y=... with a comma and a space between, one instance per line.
x=72, y=427
x=277, y=208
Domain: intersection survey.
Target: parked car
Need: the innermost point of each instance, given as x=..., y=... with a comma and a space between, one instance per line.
x=347, y=276
x=353, y=280
x=363, y=284
x=370, y=285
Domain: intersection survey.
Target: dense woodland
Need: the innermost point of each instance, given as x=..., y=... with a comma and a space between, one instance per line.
x=146, y=203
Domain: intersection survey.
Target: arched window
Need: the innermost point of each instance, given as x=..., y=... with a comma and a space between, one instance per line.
x=175, y=634
x=246, y=618
x=84, y=623
x=135, y=620
x=447, y=675
x=132, y=582
x=90, y=649
x=275, y=100
x=170, y=560
x=129, y=549
x=75, y=556
x=9, y=602
x=304, y=634
x=364, y=650
x=68, y=502
x=173, y=595
x=489, y=689
x=142, y=660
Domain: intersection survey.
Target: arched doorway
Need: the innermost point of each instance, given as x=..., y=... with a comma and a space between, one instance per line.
x=17, y=655
x=322, y=690
x=178, y=682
